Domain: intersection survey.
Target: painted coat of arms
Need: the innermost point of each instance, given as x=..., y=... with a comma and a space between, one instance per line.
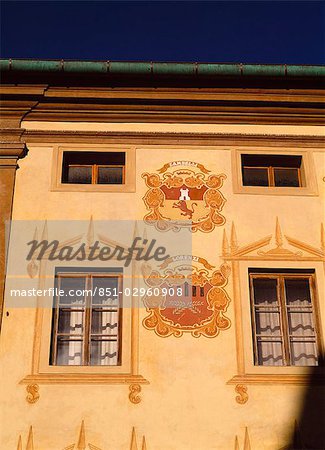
x=186, y=295
x=184, y=195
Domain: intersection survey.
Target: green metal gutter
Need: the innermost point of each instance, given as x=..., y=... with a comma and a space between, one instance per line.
x=161, y=69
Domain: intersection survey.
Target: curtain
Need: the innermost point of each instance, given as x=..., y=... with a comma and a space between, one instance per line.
x=269, y=345
x=267, y=319
x=300, y=333
x=301, y=322
x=76, y=327
x=108, y=348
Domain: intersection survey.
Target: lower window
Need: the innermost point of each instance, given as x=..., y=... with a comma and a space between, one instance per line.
x=87, y=319
x=284, y=318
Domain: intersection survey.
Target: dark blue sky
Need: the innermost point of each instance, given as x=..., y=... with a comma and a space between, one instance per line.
x=291, y=32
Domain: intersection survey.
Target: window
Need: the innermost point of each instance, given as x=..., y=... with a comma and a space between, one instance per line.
x=284, y=318
x=266, y=171
x=93, y=167
x=86, y=325
x=97, y=168
x=271, y=170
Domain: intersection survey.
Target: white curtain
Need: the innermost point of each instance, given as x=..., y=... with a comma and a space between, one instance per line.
x=303, y=346
x=109, y=327
x=301, y=331
x=270, y=352
x=76, y=327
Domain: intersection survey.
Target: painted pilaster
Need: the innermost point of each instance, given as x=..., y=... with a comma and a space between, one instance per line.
x=12, y=148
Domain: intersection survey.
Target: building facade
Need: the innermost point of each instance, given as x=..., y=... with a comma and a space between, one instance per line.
x=229, y=156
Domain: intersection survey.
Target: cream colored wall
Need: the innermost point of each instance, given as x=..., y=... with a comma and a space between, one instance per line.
x=187, y=405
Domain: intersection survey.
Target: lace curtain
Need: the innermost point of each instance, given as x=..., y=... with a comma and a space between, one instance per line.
x=270, y=332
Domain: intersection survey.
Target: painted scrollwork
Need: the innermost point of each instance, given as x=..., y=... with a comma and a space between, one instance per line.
x=242, y=398
x=134, y=396
x=33, y=393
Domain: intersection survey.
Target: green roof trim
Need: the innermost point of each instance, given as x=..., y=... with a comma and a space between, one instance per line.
x=263, y=70
x=306, y=71
x=129, y=68
x=161, y=69
x=174, y=69
x=84, y=67
x=219, y=69
x=25, y=65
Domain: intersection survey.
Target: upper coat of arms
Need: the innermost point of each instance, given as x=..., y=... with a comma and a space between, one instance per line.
x=184, y=195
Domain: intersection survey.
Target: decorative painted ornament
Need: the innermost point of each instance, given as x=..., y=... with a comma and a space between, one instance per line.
x=184, y=195
x=186, y=295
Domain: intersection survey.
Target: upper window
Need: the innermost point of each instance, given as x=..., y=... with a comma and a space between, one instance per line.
x=87, y=317
x=271, y=170
x=267, y=171
x=93, y=167
x=285, y=331
x=101, y=168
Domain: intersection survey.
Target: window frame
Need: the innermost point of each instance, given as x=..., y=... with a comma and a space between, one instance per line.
x=41, y=372
x=271, y=175
x=281, y=277
x=307, y=172
x=251, y=257
x=245, y=350
x=42, y=351
x=87, y=317
x=129, y=172
x=94, y=173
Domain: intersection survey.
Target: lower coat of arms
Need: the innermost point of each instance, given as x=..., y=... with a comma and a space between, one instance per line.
x=186, y=294
x=184, y=195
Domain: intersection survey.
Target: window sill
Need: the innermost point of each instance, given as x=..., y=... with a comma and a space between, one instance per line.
x=289, y=191
x=69, y=187
x=32, y=383
x=304, y=379
x=83, y=378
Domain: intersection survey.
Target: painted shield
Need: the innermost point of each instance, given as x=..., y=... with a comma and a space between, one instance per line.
x=186, y=295
x=184, y=195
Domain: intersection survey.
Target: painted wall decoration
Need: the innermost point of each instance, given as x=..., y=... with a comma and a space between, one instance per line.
x=81, y=443
x=184, y=195
x=189, y=296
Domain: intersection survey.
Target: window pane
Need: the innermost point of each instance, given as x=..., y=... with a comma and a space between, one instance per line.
x=268, y=323
x=303, y=353
x=269, y=353
x=73, y=290
x=80, y=175
x=71, y=322
x=103, y=353
x=104, y=322
x=301, y=324
x=105, y=291
x=255, y=176
x=286, y=177
x=110, y=175
x=267, y=160
x=265, y=291
x=297, y=292
x=69, y=352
